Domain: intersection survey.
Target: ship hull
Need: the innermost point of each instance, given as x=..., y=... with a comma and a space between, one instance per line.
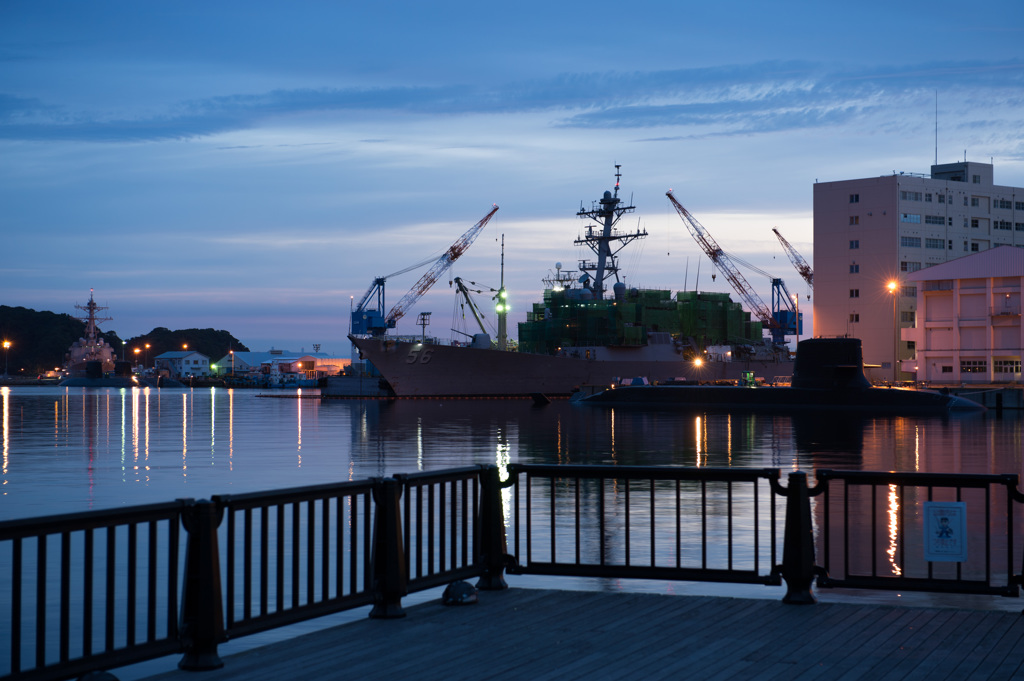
x=424, y=370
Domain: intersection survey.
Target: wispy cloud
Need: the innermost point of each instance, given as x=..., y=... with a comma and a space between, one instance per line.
x=760, y=97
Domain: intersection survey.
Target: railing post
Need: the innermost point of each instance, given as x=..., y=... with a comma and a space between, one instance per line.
x=798, y=544
x=387, y=561
x=202, y=613
x=491, y=532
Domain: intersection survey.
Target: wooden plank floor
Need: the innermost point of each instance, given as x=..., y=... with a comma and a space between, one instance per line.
x=551, y=634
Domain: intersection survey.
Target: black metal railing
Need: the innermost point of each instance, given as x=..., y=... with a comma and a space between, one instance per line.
x=109, y=588
x=890, y=545
x=90, y=590
x=701, y=524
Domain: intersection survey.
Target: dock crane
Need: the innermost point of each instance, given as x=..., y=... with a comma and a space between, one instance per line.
x=798, y=262
x=373, y=322
x=777, y=321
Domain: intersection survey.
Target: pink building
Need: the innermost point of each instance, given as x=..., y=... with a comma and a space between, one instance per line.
x=871, y=234
x=969, y=326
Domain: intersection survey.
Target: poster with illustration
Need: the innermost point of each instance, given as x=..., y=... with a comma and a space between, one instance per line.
x=945, y=531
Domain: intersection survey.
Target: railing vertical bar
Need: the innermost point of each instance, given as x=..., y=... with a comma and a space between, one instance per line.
x=679, y=525
x=420, y=527
x=296, y=573
x=930, y=563
x=367, y=540
x=454, y=530
x=65, y=594
x=757, y=525
x=264, y=560
x=151, y=583
x=704, y=524
x=431, y=519
x=325, y=548
x=110, y=582
x=846, y=529
x=774, y=520
x=311, y=551
x=279, y=559
x=87, y=591
x=41, y=600
x=229, y=609
x=466, y=516
x=355, y=564
x=1009, y=535
x=246, y=564
x=826, y=530
x=578, y=515
x=874, y=530
x=133, y=559
x=627, y=522
x=551, y=517
x=653, y=523
x=729, y=531
x=529, y=519
x=16, y=568
x=339, y=544
x=443, y=513
x=988, y=535
x=601, y=519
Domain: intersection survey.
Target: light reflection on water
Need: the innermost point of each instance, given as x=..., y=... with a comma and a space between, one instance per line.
x=77, y=449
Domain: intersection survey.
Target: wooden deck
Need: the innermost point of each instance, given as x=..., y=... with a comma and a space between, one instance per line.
x=551, y=634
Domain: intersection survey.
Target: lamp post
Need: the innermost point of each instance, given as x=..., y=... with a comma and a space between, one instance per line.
x=893, y=287
x=145, y=362
x=137, y=351
x=124, y=344
x=232, y=363
x=796, y=322
x=7, y=348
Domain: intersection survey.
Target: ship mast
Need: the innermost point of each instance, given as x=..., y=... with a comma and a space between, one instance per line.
x=603, y=239
x=92, y=332
x=502, y=305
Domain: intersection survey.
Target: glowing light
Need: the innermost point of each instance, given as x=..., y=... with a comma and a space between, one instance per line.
x=698, y=362
x=894, y=507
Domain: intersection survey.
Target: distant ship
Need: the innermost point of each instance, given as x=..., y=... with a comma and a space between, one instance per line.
x=577, y=337
x=90, y=356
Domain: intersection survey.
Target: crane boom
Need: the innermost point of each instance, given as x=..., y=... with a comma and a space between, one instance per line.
x=798, y=262
x=724, y=263
x=439, y=268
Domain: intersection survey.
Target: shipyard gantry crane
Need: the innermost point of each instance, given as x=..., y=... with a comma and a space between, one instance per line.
x=368, y=314
x=798, y=262
x=725, y=265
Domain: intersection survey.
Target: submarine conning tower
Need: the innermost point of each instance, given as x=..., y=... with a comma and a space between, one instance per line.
x=830, y=363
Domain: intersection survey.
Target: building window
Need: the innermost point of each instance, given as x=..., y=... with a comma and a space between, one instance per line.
x=934, y=243
x=909, y=266
x=910, y=196
x=975, y=202
x=934, y=220
x=1005, y=203
x=854, y=219
x=942, y=198
x=927, y=198
x=1019, y=205
x=965, y=200
x=1006, y=366
x=976, y=179
x=947, y=370
x=974, y=247
x=855, y=293
x=911, y=345
x=854, y=244
x=911, y=218
x=908, y=316
x=1019, y=226
x=854, y=198
x=854, y=317
x=973, y=366
x=974, y=223
x=910, y=291
x=854, y=269
x=910, y=242
x=951, y=222
x=1002, y=224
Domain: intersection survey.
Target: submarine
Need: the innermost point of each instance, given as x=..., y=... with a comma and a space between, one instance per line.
x=828, y=375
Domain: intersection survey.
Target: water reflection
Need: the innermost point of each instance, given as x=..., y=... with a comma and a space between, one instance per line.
x=73, y=449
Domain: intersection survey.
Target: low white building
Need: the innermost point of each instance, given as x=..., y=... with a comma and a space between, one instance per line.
x=252, y=364
x=968, y=326
x=183, y=364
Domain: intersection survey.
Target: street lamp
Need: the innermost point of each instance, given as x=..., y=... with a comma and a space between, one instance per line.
x=145, y=362
x=7, y=348
x=137, y=351
x=232, y=363
x=124, y=344
x=893, y=287
x=796, y=322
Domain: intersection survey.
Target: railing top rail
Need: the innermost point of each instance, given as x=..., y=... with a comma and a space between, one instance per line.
x=294, y=494
x=439, y=476
x=646, y=472
x=87, y=520
x=919, y=479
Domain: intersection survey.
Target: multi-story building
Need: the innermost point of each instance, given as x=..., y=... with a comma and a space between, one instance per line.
x=969, y=326
x=869, y=234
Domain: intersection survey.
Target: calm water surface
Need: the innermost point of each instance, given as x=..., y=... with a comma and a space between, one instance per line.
x=77, y=449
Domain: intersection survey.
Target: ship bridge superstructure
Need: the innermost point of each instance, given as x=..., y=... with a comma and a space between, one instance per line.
x=604, y=239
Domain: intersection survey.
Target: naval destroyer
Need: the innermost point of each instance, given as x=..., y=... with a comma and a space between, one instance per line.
x=583, y=334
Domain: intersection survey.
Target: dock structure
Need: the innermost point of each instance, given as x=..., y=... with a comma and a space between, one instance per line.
x=556, y=634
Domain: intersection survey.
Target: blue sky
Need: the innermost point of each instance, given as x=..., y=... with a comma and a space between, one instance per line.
x=252, y=166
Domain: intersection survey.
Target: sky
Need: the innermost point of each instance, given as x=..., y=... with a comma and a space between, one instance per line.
x=252, y=166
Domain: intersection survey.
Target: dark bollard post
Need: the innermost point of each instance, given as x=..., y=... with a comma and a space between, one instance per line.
x=491, y=532
x=387, y=561
x=798, y=546
x=202, y=614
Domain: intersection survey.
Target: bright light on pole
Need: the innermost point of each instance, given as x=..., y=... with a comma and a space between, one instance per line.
x=7, y=348
x=893, y=287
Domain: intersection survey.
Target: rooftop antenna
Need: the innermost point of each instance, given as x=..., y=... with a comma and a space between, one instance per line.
x=936, y=127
